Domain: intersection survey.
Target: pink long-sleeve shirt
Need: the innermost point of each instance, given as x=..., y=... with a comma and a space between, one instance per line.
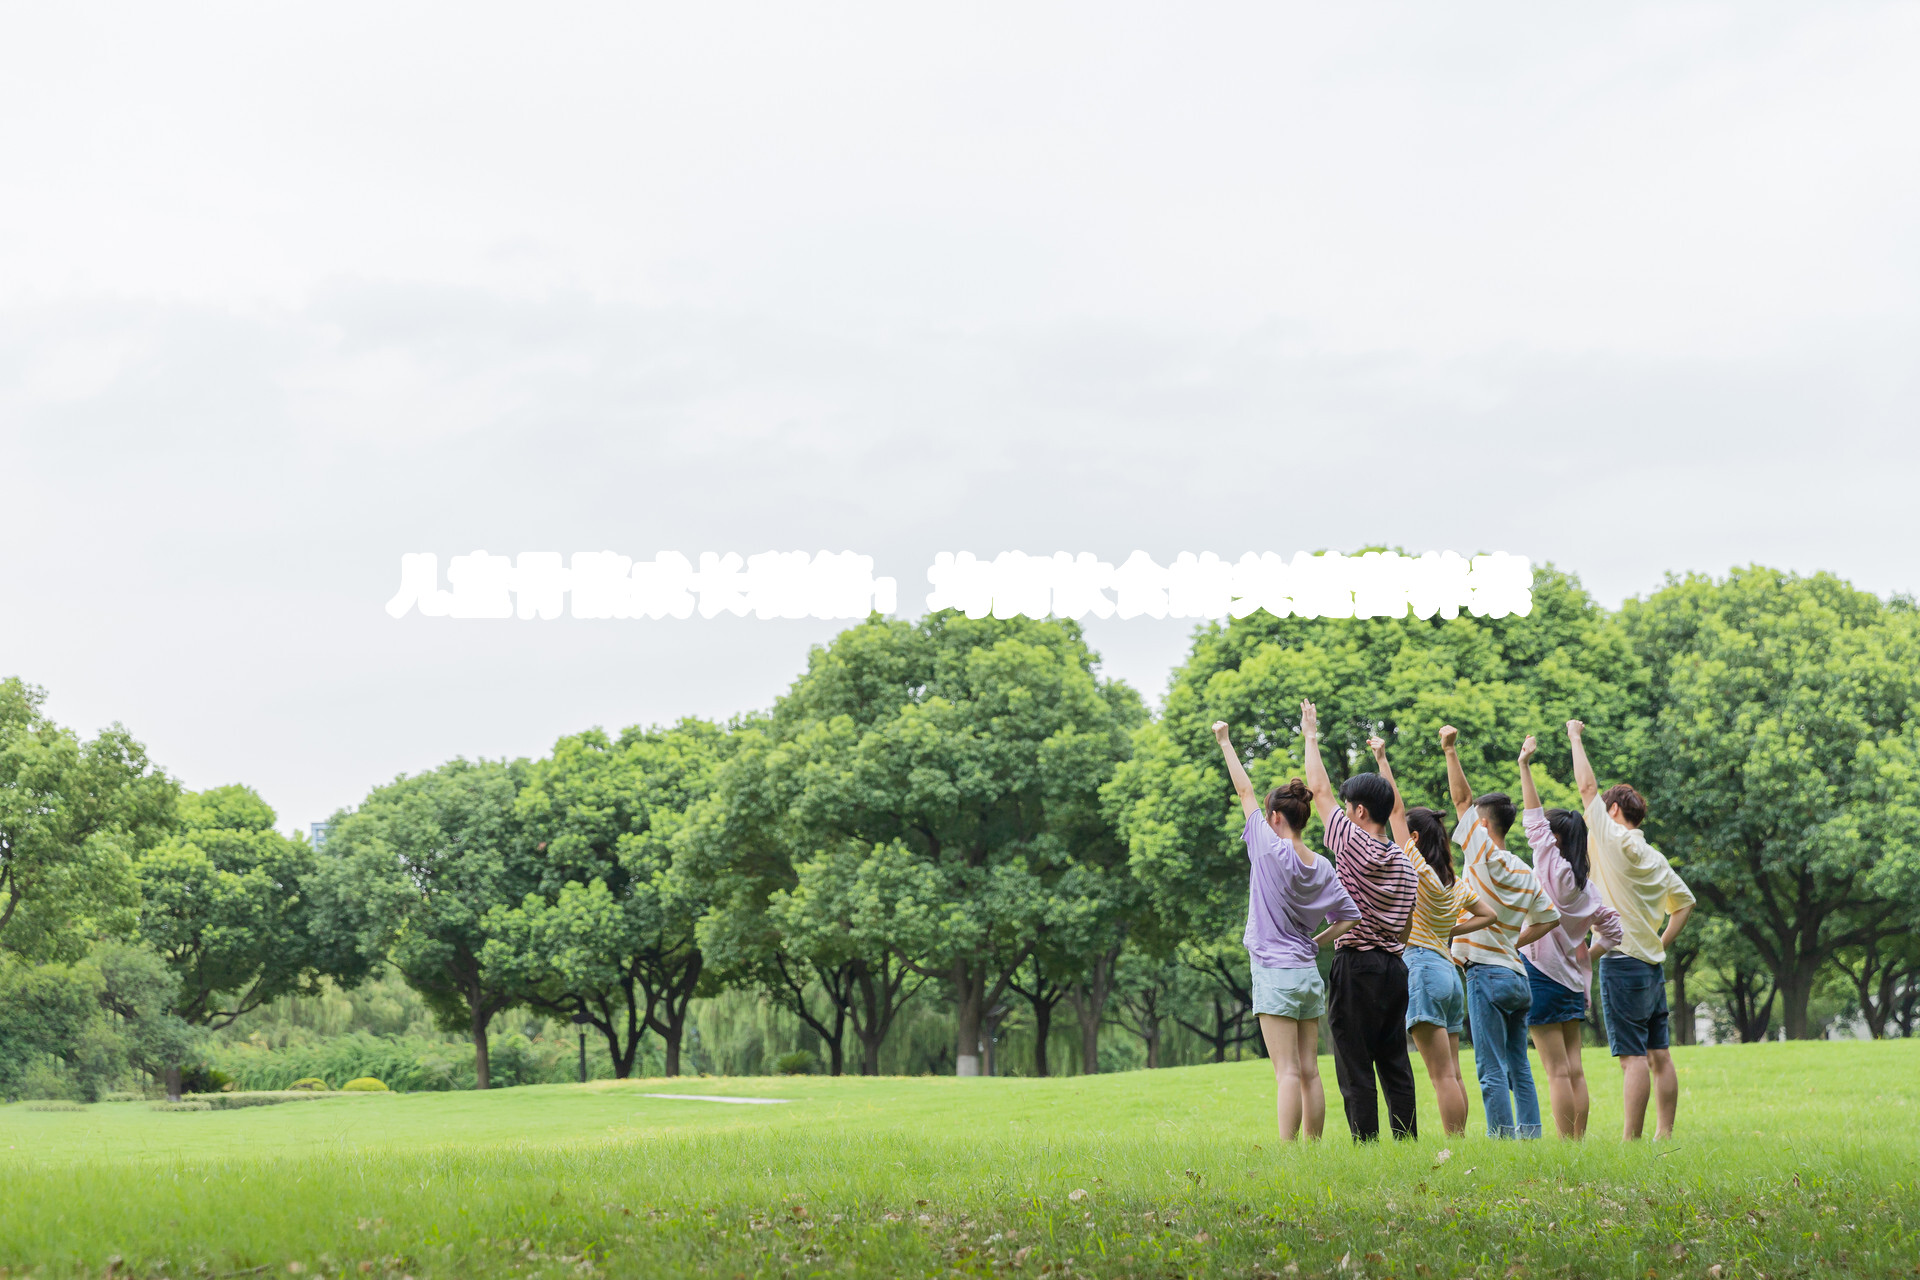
x=1580, y=909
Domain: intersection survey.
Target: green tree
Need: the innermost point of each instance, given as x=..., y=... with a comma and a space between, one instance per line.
x=608, y=931
x=411, y=875
x=73, y=815
x=803, y=945
x=138, y=989
x=225, y=902
x=45, y=1013
x=940, y=779
x=1782, y=765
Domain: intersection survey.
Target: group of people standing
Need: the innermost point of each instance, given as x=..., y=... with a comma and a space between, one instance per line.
x=1421, y=950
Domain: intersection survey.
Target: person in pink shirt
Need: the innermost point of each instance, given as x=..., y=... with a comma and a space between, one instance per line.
x=1559, y=965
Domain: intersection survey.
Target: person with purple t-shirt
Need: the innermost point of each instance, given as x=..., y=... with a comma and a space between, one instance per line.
x=1290, y=891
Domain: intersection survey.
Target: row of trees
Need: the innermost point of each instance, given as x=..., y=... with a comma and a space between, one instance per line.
x=964, y=809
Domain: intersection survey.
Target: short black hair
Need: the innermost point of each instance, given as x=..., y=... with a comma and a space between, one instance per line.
x=1371, y=792
x=1497, y=808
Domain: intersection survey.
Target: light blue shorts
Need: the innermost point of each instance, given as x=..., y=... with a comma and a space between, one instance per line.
x=1289, y=993
x=1434, y=993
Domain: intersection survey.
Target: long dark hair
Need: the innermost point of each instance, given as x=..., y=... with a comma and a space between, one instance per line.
x=1570, y=833
x=1430, y=834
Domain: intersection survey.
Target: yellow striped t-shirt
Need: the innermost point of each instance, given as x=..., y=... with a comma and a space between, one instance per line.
x=1437, y=906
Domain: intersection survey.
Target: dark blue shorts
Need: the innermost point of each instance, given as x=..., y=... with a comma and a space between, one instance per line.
x=1552, y=1002
x=1634, y=995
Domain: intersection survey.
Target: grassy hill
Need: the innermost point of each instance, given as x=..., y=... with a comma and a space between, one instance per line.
x=1790, y=1159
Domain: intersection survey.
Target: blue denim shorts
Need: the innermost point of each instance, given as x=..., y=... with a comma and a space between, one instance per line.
x=1552, y=1001
x=1289, y=993
x=1434, y=993
x=1634, y=995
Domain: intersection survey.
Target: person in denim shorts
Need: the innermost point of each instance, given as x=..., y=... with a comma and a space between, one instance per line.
x=1558, y=965
x=1653, y=904
x=1290, y=889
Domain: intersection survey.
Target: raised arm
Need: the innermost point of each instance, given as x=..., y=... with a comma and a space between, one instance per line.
x=1317, y=781
x=1529, y=796
x=1582, y=769
x=1398, y=818
x=1242, y=785
x=1457, y=788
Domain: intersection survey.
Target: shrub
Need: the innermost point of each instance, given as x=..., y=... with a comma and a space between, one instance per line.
x=53, y=1104
x=798, y=1063
x=406, y=1063
x=236, y=1101
x=314, y=1083
x=365, y=1084
x=180, y=1106
x=201, y=1078
x=123, y=1095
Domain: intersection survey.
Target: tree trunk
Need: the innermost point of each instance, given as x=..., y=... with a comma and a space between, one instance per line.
x=482, y=1072
x=671, y=1032
x=1682, y=1011
x=1089, y=999
x=173, y=1082
x=1751, y=1003
x=969, y=997
x=990, y=1038
x=836, y=1044
x=1795, y=992
x=1042, y=1024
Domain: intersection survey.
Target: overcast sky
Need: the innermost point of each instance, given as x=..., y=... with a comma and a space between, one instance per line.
x=286, y=291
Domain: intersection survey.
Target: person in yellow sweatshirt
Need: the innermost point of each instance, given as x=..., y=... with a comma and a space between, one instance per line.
x=1653, y=904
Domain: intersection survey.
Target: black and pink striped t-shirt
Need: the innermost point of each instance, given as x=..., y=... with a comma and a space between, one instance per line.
x=1379, y=879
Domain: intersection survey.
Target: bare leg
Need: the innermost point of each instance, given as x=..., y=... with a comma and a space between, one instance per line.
x=1313, y=1098
x=1636, y=1096
x=1666, y=1090
x=1443, y=1070
x=1577, y=1073
x=1551, y=1044
x=1282, y=1036
x=1459, y=1081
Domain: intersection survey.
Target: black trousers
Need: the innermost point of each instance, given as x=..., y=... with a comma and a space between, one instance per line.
x=1367, y=1016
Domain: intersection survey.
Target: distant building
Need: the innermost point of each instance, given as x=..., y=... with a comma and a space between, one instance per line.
x=317, y=834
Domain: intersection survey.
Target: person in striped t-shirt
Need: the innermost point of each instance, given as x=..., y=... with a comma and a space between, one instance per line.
x=1498, y=996
x=1367, y=986
x=1444, y=909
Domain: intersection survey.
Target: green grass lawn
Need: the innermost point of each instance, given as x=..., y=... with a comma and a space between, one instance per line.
x=1790, y=1160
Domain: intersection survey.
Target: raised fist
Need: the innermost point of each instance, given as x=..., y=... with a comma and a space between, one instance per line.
x=1447, y=734
x=1574, y=727
x=1220, y=731
x=1527, y=749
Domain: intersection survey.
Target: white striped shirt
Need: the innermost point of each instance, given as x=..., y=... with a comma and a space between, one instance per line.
x=1507, y=887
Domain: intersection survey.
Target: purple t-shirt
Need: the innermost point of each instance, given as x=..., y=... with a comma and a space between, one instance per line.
x=1286, y=899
